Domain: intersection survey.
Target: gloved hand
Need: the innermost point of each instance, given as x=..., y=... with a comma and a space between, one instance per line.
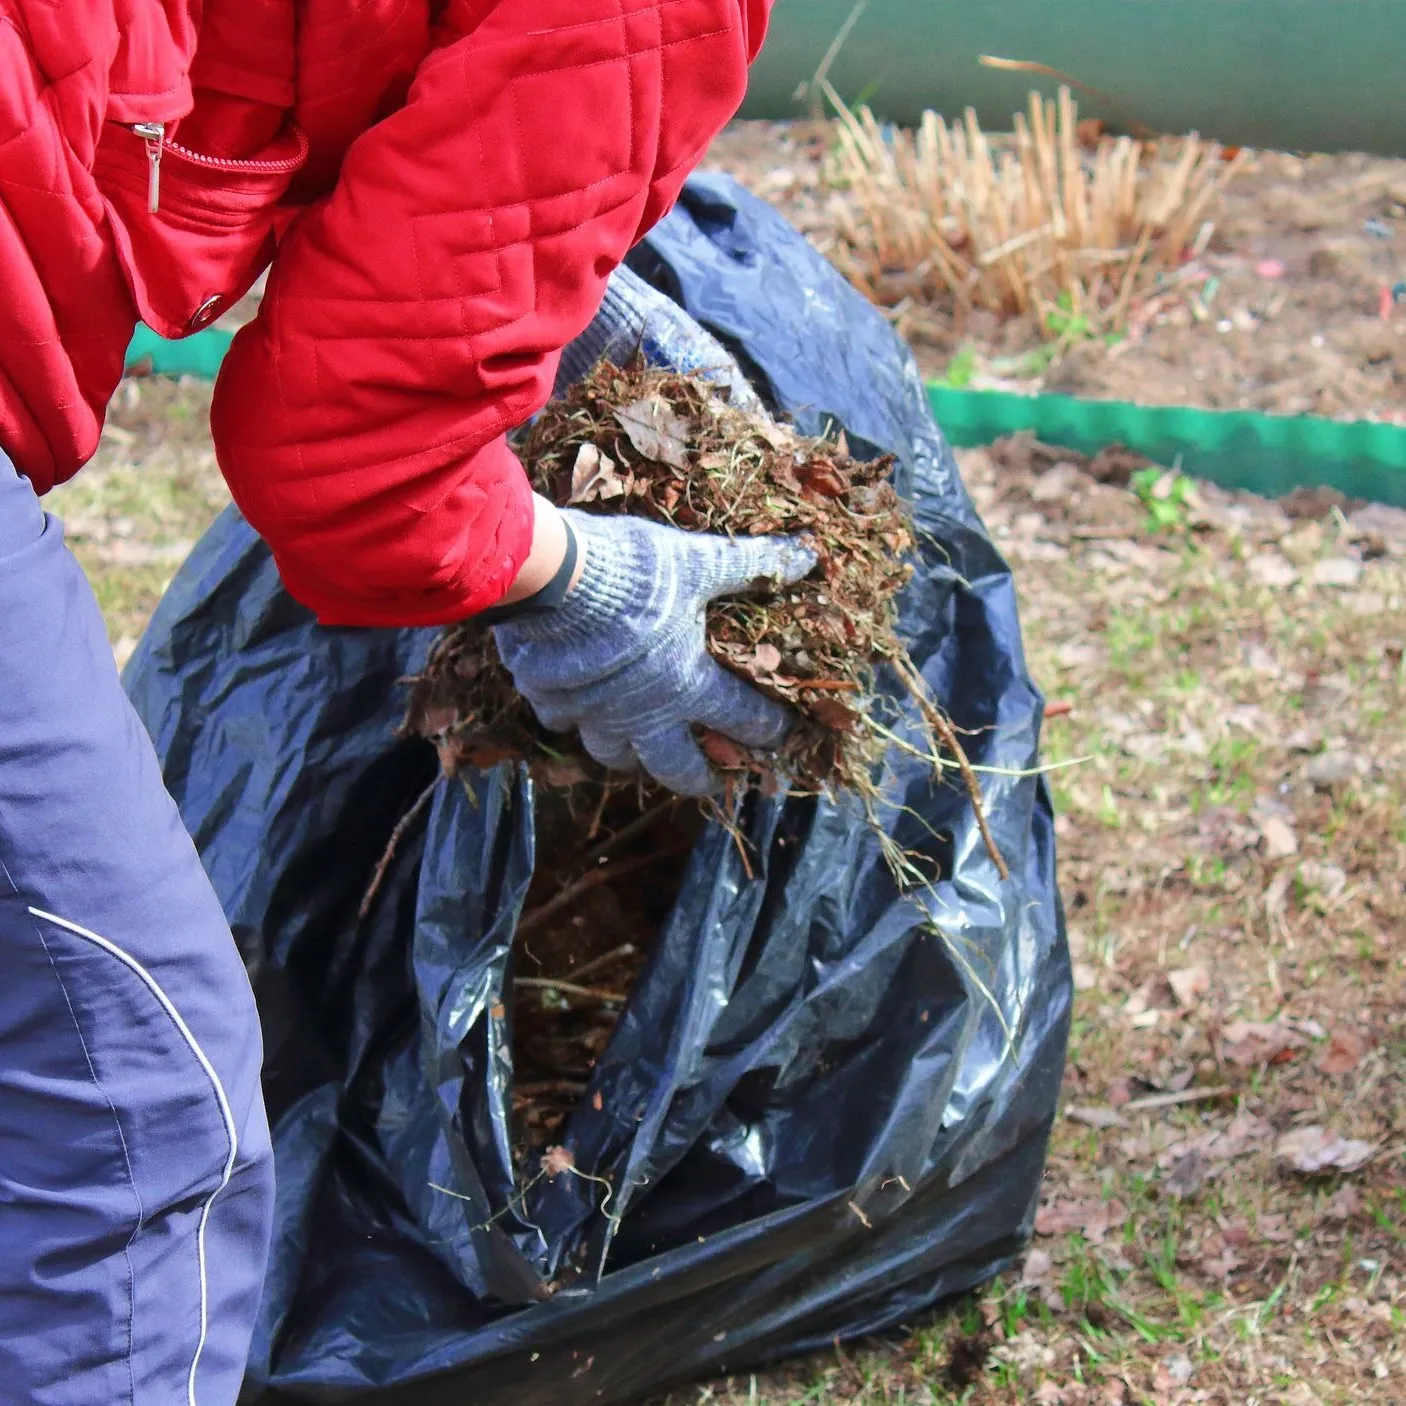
x=623, y=657
x=636, y=318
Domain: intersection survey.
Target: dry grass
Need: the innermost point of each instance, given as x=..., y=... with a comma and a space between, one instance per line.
x=1030, y=224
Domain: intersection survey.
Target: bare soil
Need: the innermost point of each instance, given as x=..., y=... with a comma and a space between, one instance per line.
x=1282, y=313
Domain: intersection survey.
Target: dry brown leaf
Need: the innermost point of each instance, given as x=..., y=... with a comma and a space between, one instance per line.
x=767, y=658
x=1344, y=1052
x=1038, y=1270
x=1280, y=841
x=1092, y=1219
x=557, y=771
x=593, y=477
x=1189, y=985
x=723, y=751
x=655, y=431
x=1314, y=1151
x=1188, y=1174
x=834, y=714
x=822, y=477
x=1250, y=1043
x=1345, y=1203
x=1095, y=1116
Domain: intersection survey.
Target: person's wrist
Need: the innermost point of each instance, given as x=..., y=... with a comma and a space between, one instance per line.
x=545, y=556
x=552, y=570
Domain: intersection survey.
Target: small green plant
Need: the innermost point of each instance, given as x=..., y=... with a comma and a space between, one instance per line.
x=960, y=370
x=1165, y=494
x=1069, y=325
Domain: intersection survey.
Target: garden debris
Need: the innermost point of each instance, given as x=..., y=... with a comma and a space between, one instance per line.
x=587, y=928
x=669, y=447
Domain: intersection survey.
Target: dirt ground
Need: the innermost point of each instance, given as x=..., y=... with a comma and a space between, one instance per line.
x=1225, y=1214
x=1283, y=313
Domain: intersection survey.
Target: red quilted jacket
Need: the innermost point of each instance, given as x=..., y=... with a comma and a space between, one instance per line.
x=442, y=187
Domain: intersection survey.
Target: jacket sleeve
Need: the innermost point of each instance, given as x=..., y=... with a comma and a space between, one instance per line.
x=419, y=312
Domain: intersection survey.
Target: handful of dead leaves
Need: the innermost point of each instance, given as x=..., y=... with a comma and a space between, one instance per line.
x=668, y=446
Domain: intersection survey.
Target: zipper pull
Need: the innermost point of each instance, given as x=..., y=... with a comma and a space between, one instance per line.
x=153, y=134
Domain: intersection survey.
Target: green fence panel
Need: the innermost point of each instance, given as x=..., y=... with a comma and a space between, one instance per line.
x=1317, y=75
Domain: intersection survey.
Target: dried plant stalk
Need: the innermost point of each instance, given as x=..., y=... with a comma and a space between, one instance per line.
x=1030, y=224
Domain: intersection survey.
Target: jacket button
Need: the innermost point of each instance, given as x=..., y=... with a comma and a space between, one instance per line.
x=204, y=313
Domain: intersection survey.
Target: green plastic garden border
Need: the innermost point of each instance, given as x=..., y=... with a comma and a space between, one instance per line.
x=1266, y=454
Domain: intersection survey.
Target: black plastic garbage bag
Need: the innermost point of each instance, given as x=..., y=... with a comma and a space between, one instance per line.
x=826, y=1104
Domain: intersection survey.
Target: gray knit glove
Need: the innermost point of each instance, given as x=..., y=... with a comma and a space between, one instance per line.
x=623, y=657
x=635, y=318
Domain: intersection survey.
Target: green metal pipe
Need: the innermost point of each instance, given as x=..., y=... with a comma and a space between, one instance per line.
x=1311, y=75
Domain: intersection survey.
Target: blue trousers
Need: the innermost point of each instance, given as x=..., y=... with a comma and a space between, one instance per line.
x=136, y=1178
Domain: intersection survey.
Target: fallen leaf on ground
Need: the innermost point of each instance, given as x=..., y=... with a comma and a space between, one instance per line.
x=1345, y=1202
x=1314, y=1150
x=1249, y=1043
x=1085, y=976
x=1245, y=1133
x=1344, y=1052
x=1092, y=1219
x=1038, y=1270
x=1279, y=838
x=1189, y=985
x=1218, y=1259
x=1330, y=768
x=1337, y=571
x=1175, y=1371
x=1094, y=1116
x=1271, y=569
x=1188, y=1174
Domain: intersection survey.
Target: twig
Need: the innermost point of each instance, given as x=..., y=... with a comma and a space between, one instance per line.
x=397, y=835
x=821, y=78
x=1137, y=128
x=832, y=685
x=626, y=949
x=947, y=735
x=588, y=881
x=626, y=832
x=569, y=988
x=1150, y=1101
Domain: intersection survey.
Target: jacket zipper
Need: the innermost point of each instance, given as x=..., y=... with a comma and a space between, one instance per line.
x=153, y=134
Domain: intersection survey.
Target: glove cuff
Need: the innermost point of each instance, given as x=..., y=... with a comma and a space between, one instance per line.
x=615, y=581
